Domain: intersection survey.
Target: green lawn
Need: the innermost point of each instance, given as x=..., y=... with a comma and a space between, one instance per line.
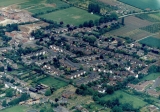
x=151, y=41
x=151, y=76
x=70, y=15
x=143, y=4
x=18, y=108
x=126, y=98
x=50, y=81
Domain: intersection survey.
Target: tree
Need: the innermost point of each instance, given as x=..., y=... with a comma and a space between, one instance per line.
x=110, y=90
x=9, y=92
x=56, y=99
x=90, y=23
x=48, y=92
x=123, y=21
x=9, y=68
x=2, y=69
x=4, y=103
x=117, y=109
x=94, y=8
x=61, y=23
x=114, y=16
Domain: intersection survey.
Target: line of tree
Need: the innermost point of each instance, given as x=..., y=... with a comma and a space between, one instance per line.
x=103, y=19
x=95, y=8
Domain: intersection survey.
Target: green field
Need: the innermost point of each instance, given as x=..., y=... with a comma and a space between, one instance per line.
x=126, y=98
x=50, y=81
x=71, y=15
x=42, y=6
x=151, y=76
x=143, y=4
x=10, y=2
x=18, y=108
x=151, y=41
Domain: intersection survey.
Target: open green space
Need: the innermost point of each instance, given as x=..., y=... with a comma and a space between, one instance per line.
x=42, y=6
x=4, y=3
x=143, y=4
x=126, y=98
x=151, y=76
x=72, y=15
x=151, y=41
x=18, y=108
x=50, y=81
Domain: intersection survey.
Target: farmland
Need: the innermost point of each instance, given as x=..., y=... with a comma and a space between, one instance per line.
x=149, y=17
x=152, y=28
x=126, y=98
x=50, y=81
x=143, y=4
x=151, y=41
x=131, y=28
x=68, y=16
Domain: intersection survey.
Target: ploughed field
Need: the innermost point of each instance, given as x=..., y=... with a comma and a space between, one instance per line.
x=143, y=4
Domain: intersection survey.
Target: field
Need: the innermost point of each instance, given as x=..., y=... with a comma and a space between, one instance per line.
x=39, y=6
x=143, y=4
x=18, y=108
x=50, y=81
x=154, y=28
x=151, y=41
x=126, y=98
x=149, y=17
x=131, y=28
x=71, y=15
x=36, y=6
x=9, y=2
x=151, y=76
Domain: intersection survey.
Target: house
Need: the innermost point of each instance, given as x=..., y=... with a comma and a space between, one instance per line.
x=67, y=94
x=61, y=109
x=33, y=90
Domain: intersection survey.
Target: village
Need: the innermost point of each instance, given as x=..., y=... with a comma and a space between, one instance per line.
x=53, y=63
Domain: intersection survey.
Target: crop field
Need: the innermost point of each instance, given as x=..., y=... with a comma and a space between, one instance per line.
x=152, y=28
x=18, y=108
x=137, y=34
x=126, y=98
x=151, y=41
x=131, y=28
x=143, y=4
x=149, y=17
x=71, y=15
x=50, y=81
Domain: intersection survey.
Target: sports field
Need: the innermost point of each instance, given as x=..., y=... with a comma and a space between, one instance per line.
x=151, y=41
x=50, y=81
x=72, y=15
x=126, y=98
x=143, y=4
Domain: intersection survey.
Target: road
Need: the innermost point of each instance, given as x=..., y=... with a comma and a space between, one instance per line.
x=138, y=13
